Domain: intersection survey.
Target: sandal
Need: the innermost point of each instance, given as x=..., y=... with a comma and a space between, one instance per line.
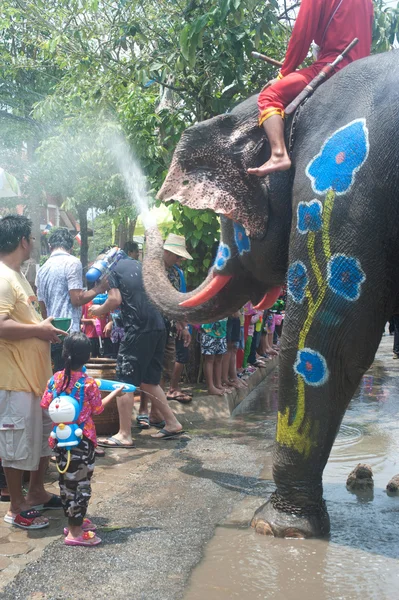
x=54, y=503
x=167, y=435
x=26, y=520
x=183, y=398
x=113, y=442
x=158, y=425
x=87, y=525
x=88, y=538
x=143, y=421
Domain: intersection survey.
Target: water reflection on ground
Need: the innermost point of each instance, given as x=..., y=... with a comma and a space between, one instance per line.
x=360, y=561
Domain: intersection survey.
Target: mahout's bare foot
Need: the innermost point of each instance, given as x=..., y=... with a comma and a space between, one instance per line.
x=273, y=165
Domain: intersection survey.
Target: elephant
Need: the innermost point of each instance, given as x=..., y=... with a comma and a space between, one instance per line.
x=329, y=228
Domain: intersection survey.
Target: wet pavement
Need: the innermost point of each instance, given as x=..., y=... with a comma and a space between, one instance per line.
x=174, y=515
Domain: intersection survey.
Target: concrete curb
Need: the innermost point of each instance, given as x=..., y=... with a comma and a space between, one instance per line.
x=206, y=407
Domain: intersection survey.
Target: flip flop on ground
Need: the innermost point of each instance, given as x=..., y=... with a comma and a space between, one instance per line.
x=183, y=398
x=143, y=421
x=167, y=435
x=113, y=442
x=158, y=425
x=26, y=520
x=88, y=538
x=54, y=503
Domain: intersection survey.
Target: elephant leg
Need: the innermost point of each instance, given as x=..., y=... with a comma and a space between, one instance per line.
x=328, y=343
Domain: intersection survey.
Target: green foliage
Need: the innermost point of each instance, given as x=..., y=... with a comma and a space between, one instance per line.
x=201, y=230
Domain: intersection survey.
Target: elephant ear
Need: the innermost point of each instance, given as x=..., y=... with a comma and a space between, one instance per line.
x=209, y=168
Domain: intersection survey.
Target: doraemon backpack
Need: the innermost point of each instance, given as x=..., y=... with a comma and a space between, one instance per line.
x=64, y=411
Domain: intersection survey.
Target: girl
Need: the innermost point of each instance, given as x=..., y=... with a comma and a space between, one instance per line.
x=75, y=478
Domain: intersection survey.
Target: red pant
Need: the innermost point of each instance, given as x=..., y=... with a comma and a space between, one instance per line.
x=274, y=99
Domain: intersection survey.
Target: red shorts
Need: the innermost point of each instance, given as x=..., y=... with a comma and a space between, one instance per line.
x=274, y=99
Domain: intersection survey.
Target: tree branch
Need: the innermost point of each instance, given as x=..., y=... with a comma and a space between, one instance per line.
x=6, y=115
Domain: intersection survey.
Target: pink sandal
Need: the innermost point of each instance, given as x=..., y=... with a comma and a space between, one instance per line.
x=88, y=538
x=87, y=525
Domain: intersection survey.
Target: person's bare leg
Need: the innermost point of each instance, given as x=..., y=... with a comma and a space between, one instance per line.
x=18, y=501
x=225, y=369
x=158, y=399
x=232, y=367
x=125, y=405
x=279, y=159
x=143, y=408
x=209, y=360
x=36, y=492
x=217, y=374
x=270, y=350
x=175, y=380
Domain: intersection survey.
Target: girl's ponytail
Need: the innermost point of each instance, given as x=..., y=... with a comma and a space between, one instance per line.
x=67, y=372
x=76, y=353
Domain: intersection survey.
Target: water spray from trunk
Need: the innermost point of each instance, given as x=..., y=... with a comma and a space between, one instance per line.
x=134, y=178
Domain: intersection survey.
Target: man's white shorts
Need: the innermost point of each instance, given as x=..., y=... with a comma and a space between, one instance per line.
x=24, y=430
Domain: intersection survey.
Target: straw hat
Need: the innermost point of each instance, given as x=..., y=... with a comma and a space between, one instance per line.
x=177, y=244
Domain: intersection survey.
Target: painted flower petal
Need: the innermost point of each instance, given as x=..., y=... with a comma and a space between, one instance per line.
x=345, y=276
x=311, y=366
x=309, y=216
x=297, y=281
x=222, y=256
x=340, y=158
x=242, y=241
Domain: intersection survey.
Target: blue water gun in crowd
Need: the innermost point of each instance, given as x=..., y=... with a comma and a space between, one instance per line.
x=105, y=265
x=100, y=299
x=106, y=385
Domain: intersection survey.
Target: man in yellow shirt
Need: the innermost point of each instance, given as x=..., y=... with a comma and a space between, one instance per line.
x=25, y=368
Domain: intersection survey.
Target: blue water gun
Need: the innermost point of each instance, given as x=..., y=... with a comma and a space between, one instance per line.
x=100, y=299
x=105, y=265
x=105, y=385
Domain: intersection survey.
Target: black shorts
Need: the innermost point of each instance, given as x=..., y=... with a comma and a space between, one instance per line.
x=181, y=352
x=140, y=358
x=233, y=329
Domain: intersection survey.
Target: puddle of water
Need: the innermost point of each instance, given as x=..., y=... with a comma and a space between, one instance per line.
x=361, y=559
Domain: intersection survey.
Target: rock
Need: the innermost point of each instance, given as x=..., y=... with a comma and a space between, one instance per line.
x=361, y=478
x=393, y=485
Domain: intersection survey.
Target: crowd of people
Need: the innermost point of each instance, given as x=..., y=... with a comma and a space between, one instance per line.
x=44, y=369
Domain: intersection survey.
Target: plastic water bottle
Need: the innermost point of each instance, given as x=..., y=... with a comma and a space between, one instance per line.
x=103, y=266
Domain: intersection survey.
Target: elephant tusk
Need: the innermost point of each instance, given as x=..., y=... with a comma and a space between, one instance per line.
x=209, y=291
x=269, y=299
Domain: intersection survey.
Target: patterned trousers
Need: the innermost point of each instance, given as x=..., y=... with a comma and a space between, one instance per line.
x=75, y=485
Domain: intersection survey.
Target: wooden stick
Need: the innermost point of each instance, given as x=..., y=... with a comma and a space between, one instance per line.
x=271, y=61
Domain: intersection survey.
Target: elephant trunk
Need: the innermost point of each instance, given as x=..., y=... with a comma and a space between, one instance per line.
x=217, y=297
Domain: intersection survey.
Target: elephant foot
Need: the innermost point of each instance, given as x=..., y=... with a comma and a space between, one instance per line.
x=279, y=519
x=360, y=479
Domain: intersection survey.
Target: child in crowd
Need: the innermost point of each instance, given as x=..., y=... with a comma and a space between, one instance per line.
x=93, y=328
x=77, y=468
x=229, y=361
x=213, y=347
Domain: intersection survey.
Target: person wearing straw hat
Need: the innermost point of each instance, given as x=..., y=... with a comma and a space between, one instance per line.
x=176, y=351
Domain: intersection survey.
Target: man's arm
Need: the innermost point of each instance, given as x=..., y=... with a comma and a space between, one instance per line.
x=113, y=301
x=75, y=284
x=80, y=297
x=11, y=330
x=303, y=34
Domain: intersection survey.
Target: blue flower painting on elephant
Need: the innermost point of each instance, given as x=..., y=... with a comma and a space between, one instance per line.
x=340, y=158
x=345, y=276
x=309, y=216
x=222, y=256
x=311, y=366
x=297, y=281
x=243, y=242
